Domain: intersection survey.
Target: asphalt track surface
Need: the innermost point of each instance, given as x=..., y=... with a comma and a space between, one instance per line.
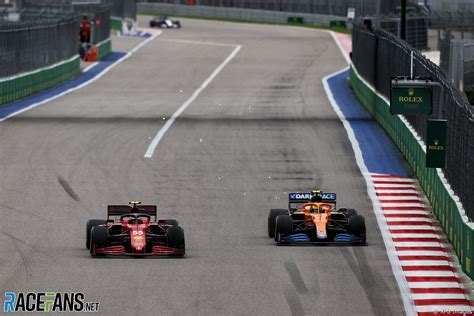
x=262, y=128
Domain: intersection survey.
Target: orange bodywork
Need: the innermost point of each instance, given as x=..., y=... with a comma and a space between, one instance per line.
x=318, y=214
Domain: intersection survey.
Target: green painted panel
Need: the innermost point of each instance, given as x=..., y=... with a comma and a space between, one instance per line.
x=28, y=84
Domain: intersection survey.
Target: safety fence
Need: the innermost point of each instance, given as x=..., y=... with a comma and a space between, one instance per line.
x=99, y=11
x=461, y=21
x=124, y=9
x=457, y=60
x=416, y=28
x=238, y=14
x=332, y=7
x=379, y=55
x=36, y=41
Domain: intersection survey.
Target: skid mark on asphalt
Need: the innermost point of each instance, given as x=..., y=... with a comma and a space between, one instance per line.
x=33, y=214
x=293, y=301
x=369, y=282
x=295, y=277
x=24, y=258
x=68, y=189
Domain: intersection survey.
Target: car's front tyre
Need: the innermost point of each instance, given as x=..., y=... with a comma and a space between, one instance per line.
x=91, y=223
x=283, y=226
x=274, y=213
x=357, y=226
x=176, y=238
x=99, y=239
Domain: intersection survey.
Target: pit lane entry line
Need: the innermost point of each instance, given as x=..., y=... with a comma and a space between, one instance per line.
x=156, y=140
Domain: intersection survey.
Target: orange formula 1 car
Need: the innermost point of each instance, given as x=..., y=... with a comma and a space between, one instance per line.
x=313, y=218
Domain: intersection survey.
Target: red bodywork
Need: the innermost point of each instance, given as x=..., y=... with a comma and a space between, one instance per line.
x=136, y=233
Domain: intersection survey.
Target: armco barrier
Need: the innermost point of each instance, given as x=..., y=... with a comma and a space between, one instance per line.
x=236, y=13
x=23, y=85
x=446, y=207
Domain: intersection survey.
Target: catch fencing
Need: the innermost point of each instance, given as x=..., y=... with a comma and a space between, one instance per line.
x=416, y=28
x=100, y=10
x=459, y=22
x=378, y=56
x=39, y=39
x=236, y=13
x=124, y=9
x=327, y=7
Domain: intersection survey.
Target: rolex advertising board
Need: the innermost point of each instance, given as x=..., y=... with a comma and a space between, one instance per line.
x=410, y=99
x=436, y=144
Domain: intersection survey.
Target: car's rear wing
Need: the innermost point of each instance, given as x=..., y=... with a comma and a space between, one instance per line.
x=119, y=210
x=296, y=200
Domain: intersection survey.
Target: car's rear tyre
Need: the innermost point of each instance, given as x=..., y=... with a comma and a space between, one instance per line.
x=91, y=223
x=152, y=24
x=176, y=238
x=348, y=211
x=274, y=213
x=357, y=226
x=99, y=238
x=171, y=222
x=283, y=226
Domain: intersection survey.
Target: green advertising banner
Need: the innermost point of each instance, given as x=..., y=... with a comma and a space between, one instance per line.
x=406, y=98
x=436, y=143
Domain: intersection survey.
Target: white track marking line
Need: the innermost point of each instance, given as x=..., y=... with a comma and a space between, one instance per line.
x=423, y=228
x=416, y=236
x=435, y=296
x=430, y=273
x=90, y=67
x=197, y=42
x=343, y=52
x=443, y=308
x=421, y=253
x=82, y=85
x=154, y=143
x=430, y=285
x=412, y=212
x=408, y=219
x=386, y=199
x=419, y=263
x=407, y=192
x=395, y=185
x=389, y=244
x=417, y=244
x=395, y=180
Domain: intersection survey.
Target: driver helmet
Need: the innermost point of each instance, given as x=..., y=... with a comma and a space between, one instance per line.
x=315, y=196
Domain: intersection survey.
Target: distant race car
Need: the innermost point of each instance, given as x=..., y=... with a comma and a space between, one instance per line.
x=134, y=230
x=165, y=22
x=313, y=218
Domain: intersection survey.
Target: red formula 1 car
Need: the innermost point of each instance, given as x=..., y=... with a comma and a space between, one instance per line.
x=134, y=230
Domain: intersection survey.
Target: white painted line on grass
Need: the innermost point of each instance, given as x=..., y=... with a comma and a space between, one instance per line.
x=154, y=143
